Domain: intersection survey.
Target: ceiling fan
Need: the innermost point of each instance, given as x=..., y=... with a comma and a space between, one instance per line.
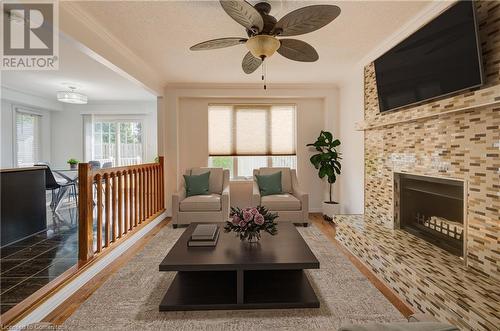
x=263, y=29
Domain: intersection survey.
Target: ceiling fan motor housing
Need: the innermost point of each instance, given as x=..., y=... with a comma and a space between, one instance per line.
x=264, y=9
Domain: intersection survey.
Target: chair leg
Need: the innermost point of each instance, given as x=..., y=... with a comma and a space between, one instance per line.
x=70, y=193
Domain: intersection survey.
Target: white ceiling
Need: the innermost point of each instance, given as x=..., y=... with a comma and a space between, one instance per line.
x=76, y=68
x=161, y=32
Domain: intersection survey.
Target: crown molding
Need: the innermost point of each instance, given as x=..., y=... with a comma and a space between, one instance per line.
x=143, y=74
x=237, y=86
x=433, y=9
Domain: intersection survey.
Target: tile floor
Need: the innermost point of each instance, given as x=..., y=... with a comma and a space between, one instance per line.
x=28, y=265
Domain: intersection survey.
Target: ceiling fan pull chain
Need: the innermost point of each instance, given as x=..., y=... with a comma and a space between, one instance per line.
x=262, y=69
x=264, y=72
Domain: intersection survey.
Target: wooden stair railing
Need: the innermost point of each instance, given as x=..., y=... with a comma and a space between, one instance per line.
x=115, y=201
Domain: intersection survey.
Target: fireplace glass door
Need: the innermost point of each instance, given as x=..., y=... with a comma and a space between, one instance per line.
x=433, y=209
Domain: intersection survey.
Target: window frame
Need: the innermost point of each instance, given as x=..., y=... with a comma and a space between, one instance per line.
x=37, y=135
x=116, y=119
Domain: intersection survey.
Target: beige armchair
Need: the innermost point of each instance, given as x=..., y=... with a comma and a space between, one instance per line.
x=213, y=207
x=292, y=205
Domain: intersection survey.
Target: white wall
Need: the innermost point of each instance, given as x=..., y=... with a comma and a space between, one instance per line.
x=67, y=135
x=352, y=147
x=186, y=120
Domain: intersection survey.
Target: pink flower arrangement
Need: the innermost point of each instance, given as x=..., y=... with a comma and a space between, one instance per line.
x=259, y=219
x=236, y=220
x=247, y=216
x=248, y=222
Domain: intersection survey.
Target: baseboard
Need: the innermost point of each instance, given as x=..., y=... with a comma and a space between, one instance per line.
x=69, y=289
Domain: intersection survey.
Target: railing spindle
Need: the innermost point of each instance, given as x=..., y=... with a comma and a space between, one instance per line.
x=107, y=201
x=114, y=186
x=119, y=176
x=162, y=183
x=98, y=182
x=136, y=197
x=156, y=187
x=148, y=171
x=141, y=195
x=126, y=202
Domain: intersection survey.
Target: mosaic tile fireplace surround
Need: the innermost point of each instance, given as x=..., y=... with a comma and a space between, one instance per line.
x=456, y=138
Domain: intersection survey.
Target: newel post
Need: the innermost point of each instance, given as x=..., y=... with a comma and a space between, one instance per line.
x=162, y=181
x=85, y=206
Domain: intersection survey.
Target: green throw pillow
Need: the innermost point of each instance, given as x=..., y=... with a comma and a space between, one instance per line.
x=269, y=184
x=197, y=184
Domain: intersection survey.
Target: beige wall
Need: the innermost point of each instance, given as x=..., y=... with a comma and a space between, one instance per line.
x=193, y=142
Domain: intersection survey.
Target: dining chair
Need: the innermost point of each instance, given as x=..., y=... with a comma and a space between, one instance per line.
x=58, y=188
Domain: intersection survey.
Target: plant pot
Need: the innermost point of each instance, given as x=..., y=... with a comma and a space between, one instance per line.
x=330, y=209
x=73, y=166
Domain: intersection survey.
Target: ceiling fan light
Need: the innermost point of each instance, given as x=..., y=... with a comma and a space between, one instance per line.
x=72, y=97
x=263, y=46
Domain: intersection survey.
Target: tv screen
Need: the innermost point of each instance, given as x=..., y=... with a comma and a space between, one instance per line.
x=440, y=58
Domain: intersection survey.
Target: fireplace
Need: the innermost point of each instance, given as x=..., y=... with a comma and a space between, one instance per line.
x=431, y=208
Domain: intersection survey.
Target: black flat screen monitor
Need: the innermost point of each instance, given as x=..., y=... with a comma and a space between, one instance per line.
x=440, y=58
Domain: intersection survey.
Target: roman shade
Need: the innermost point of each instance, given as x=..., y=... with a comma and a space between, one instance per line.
x=239, y=130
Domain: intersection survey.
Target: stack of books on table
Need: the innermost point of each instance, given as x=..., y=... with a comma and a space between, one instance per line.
x=204, y=235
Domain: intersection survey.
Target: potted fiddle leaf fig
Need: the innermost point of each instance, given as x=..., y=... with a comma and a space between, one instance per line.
x=73, y=163
x=327, y=162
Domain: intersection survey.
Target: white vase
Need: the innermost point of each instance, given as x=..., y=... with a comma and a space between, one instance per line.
x=330, y=209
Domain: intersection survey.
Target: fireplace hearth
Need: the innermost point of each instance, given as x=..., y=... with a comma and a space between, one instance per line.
x=431, y=208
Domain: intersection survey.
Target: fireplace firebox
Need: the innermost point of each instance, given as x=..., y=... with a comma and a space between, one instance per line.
x=431, y=208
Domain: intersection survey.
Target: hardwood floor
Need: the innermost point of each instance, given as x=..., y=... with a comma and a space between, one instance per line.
x=64, y=311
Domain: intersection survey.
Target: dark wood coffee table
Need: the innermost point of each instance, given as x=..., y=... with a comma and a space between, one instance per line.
x=239, y=275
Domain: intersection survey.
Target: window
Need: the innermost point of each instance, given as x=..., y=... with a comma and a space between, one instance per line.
x=113, y=140
x=246, y=137
x=27, y=133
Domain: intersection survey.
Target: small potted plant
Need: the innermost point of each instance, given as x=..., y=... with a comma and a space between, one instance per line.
x=327, y=162
x=73, y=163
x=247, y=223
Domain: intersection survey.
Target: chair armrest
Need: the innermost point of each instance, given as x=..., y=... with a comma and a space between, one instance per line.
x=177, y=197
x=225, y=202
x=301, y=195
x=255, y=194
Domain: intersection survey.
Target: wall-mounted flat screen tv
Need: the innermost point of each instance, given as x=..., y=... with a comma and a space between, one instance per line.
x=442, y=57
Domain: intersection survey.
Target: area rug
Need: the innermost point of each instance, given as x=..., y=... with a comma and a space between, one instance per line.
x=129, y=299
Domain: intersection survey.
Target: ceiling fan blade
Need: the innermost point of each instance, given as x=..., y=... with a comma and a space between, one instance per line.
x=243, y=13
x=218, y=43
x=297, y=50
x=306, y=19
x=250, y=63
